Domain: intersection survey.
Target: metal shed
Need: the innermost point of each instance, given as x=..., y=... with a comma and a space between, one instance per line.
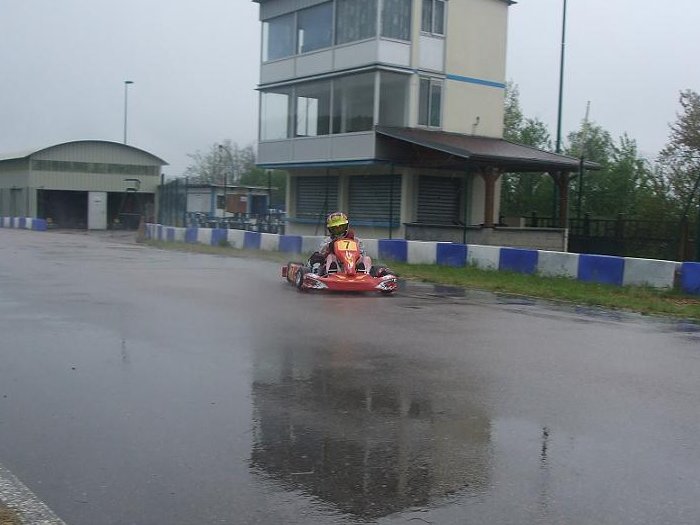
x=89, y=184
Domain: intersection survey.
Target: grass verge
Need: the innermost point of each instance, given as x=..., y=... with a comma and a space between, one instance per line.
x=643, y=300
x=649, y=301
x=8, y=516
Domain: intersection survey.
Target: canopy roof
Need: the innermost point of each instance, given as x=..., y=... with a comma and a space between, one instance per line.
x=440, y=149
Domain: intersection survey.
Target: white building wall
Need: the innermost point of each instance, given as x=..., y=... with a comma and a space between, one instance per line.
x=475, y=64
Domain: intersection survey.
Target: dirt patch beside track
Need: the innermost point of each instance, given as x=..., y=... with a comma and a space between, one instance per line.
x=8, y=516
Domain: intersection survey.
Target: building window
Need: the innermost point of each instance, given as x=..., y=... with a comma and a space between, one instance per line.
x=312, y=28
x=310, y=113
x=274, y=114
x=393, y=99
x=430, y=103
x=315, y=28
x=396, y=19
x=355, y=20
x=93, y=167
x=433, y=18
x=278, y=37
x=353, y=103
x=313, y=105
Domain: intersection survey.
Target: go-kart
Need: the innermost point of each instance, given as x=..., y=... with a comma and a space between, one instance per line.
x=345, y=270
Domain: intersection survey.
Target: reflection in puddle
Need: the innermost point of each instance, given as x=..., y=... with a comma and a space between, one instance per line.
x=362, y=435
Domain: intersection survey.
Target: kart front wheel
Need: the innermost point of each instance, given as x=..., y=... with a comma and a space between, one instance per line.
x=299, y=279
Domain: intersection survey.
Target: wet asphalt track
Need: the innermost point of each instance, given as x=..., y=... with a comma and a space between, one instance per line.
x=140, y=386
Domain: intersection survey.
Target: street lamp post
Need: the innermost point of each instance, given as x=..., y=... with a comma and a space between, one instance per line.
x=555, y=195
x=126, y=91
x=562, y=60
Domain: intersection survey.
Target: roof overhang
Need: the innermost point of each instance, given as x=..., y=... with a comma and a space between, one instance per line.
x=443, y=150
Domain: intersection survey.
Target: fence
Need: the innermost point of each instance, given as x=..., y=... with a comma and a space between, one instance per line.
x=670, y=240
x=172, y=202
x=262, y=223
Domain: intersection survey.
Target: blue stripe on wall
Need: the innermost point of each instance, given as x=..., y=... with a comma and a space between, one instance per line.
x=393, y=249
x=690, y=278
x=603, y=269
x=170, y=234
x=191, y=235
x=478, y=81
x=518, y=260
x=219, y=237
x=451, y=254
x=251, y=241
x=39, y=225
x=290, y=243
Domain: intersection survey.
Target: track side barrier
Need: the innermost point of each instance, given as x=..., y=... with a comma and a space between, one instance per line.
x=290, y=243
x=419, y=252
x=602, y=269
x=251, y=241
x=191, y=235
x=690, y=278
x=393, y=250
x=269, y=242
x=24, y=223
x=451, y=254
x=484, y=257
x=618, y=271
x=518, y=260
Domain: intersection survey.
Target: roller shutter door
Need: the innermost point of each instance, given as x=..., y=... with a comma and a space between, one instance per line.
x=438, y=200
x=374, y=197
x=316, y=196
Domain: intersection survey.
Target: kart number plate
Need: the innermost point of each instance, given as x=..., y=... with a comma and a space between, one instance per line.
x=347, y=245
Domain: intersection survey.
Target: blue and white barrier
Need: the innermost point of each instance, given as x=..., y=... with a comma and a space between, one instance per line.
x=690, y=278
x=451, y=254
x=24, y=223
x=603, y=269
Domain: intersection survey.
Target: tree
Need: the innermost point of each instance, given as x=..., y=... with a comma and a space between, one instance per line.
x=627, y=183
x=223, y=162
x=524, y=193
x=594, y=144
x=680, y=159
x=518, y=128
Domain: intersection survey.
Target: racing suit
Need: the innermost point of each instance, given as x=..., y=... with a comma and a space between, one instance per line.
x=320, y=257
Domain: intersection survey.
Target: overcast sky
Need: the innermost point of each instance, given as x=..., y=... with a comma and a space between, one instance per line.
x=195, y=64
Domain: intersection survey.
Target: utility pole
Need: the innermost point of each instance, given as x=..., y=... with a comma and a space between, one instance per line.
x=127, y=83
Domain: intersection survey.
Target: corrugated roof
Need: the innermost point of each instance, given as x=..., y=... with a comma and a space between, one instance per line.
x=16, y=154
x=27, y=153
x=485, y=150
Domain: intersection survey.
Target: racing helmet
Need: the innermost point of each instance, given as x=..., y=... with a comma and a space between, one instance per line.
x=337, y=224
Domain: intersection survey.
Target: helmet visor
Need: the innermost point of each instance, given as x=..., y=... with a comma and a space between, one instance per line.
x=336, y=231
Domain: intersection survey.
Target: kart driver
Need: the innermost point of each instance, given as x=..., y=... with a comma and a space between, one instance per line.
x=338, y=228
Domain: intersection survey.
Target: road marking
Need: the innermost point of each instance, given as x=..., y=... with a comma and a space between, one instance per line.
x=16, y=495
